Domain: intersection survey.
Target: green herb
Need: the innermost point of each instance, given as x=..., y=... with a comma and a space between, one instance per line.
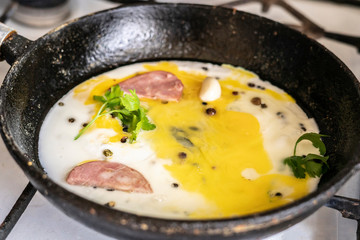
x=312, y=164
x=125, y=107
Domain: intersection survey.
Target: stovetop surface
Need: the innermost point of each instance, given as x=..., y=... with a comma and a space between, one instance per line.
x=41, y=220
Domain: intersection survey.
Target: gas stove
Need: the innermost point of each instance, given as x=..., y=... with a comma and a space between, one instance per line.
x=41, y=220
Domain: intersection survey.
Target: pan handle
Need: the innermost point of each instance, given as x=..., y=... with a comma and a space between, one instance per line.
x=12, y=45
x=5, y=33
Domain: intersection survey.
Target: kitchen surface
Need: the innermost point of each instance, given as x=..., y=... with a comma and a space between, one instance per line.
x=41, y=220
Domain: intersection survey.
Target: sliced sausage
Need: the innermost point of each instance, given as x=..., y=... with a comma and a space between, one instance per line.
x=109, y=175
x=155, y=85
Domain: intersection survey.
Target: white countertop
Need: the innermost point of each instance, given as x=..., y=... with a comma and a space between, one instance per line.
x=41, y=220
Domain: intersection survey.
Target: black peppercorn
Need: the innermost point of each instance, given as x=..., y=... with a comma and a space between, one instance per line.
x=182, y=155
x=250, y=84
x=302, y=127
x=175, y=185
x=256, y=101
x=280, y=115
x=210, y=111
x=123, y=139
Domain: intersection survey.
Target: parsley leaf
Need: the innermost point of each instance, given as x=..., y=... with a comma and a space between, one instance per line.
x=296, y=165
x=315, y=138
x=313, y=164
x=314, y=169
x=131, y=102
x=125, y=107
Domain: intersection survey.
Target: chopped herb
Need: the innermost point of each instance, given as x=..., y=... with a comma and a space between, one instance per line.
x=126, y=107
x=194, y=128
x=181, y=137
x=312, y=164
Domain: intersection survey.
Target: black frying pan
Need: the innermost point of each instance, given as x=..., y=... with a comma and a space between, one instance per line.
x=44, y=70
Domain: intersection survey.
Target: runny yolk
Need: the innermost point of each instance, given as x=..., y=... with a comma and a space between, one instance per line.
x=217, y=149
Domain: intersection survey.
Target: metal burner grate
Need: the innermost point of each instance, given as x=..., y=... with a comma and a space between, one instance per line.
x=308, y=27
x=17, y=210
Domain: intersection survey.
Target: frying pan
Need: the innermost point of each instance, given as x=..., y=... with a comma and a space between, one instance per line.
x=44, y=70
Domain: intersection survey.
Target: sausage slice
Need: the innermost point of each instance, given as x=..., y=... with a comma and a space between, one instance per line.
x=109, y=175
x=155, y=85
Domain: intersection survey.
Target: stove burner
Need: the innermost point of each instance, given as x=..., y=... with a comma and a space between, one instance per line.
x=41, y=13
x=308, y=27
